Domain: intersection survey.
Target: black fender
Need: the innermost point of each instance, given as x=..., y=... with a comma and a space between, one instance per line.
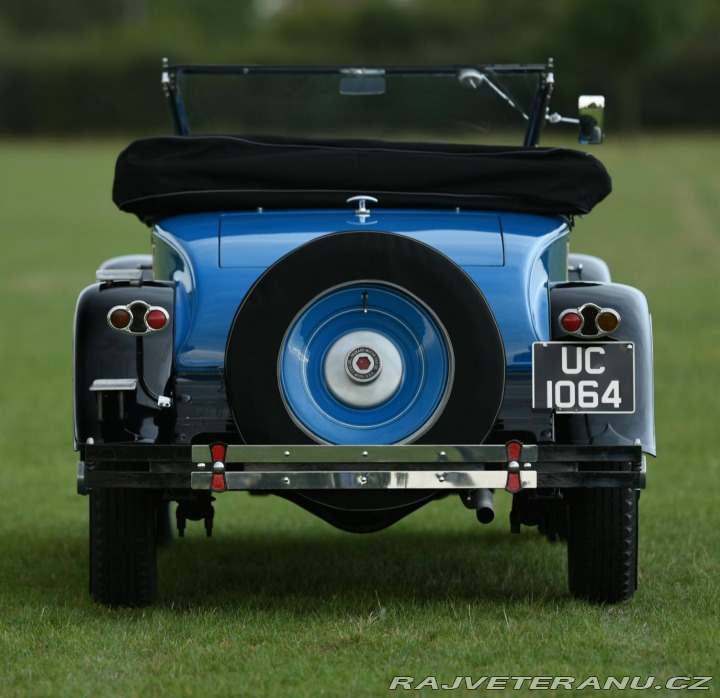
x=103, y=353
x=635, y=326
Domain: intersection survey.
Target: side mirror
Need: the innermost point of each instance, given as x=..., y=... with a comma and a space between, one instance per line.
x=591, y=110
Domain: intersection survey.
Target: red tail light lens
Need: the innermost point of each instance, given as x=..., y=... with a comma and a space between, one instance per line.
x=571, y=321
x=156, y=319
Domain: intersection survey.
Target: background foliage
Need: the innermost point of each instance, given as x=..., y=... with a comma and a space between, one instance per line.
x=93, y=65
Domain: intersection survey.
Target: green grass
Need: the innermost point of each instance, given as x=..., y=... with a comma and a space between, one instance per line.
x=279, y=603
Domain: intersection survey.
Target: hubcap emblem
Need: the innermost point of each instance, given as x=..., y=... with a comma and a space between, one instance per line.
x=363, y=364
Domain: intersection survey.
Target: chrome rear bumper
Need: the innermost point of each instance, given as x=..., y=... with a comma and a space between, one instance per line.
x=318, y=467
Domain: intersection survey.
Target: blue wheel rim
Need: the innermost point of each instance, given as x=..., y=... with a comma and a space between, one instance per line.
x=381, y=310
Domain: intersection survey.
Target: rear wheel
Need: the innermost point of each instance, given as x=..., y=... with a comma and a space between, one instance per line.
x=123, y=538
x=603, y=544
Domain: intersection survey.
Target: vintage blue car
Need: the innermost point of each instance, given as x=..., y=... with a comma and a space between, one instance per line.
x=360, y=298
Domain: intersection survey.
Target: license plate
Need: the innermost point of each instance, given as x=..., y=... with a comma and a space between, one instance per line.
x=581, y=377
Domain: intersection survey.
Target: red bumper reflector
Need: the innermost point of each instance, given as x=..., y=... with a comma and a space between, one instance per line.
x=218, y=482
x=513, y=482
x=514, y=450
x=218, y=452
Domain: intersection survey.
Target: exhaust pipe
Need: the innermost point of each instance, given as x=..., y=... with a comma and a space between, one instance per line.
x=484, y=507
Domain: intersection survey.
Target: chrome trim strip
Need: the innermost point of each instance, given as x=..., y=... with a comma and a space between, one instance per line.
x=395, y=453
x=81, y=477
x=112, y=275
x=113, y=384
x=365, y=480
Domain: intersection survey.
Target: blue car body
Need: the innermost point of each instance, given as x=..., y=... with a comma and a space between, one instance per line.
x=215, y=258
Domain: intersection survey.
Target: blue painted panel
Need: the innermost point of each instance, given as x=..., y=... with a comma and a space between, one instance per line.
x=511, y=258
x=259, y=239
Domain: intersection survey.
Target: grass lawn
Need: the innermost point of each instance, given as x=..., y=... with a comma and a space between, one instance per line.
x=279, y=603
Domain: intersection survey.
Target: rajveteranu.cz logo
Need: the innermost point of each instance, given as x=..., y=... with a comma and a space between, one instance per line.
x=550, y=683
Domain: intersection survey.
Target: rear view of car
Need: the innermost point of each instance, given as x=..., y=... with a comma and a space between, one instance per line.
x=360, y=299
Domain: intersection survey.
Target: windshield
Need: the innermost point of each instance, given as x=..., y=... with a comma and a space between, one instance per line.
x=493, y=104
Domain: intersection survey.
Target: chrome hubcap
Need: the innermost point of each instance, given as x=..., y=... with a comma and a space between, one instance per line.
x=363, y=369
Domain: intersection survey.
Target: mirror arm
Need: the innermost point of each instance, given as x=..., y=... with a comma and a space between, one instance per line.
x=556, y=118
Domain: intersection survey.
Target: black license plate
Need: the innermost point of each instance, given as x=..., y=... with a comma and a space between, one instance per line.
x=582, y=377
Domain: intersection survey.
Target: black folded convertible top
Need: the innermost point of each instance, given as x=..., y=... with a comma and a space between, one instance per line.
x=160, y=177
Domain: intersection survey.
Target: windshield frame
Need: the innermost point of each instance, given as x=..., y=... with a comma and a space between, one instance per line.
x=535, y=117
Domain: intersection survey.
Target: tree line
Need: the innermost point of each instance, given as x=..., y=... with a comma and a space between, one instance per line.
x=92, y=66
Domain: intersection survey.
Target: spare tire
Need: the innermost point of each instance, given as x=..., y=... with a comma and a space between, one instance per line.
x=364, y=337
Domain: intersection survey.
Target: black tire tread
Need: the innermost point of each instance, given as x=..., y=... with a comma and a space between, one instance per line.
x=123, y=565
x=603, y=544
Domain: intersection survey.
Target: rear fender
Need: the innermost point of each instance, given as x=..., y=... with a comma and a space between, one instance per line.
x=102, y=353
x=585, y=267
x=635, y=326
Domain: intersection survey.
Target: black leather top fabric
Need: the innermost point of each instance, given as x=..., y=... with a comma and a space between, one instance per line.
x=165, y=176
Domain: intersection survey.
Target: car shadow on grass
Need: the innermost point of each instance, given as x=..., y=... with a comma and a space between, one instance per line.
x=306, y=565
x=264, y=570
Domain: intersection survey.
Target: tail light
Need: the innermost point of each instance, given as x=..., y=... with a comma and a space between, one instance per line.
x=607, y=320
x=156, y=319
x=119, y=318
x=589, y=320
x=571, y=321
x=138, y=318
